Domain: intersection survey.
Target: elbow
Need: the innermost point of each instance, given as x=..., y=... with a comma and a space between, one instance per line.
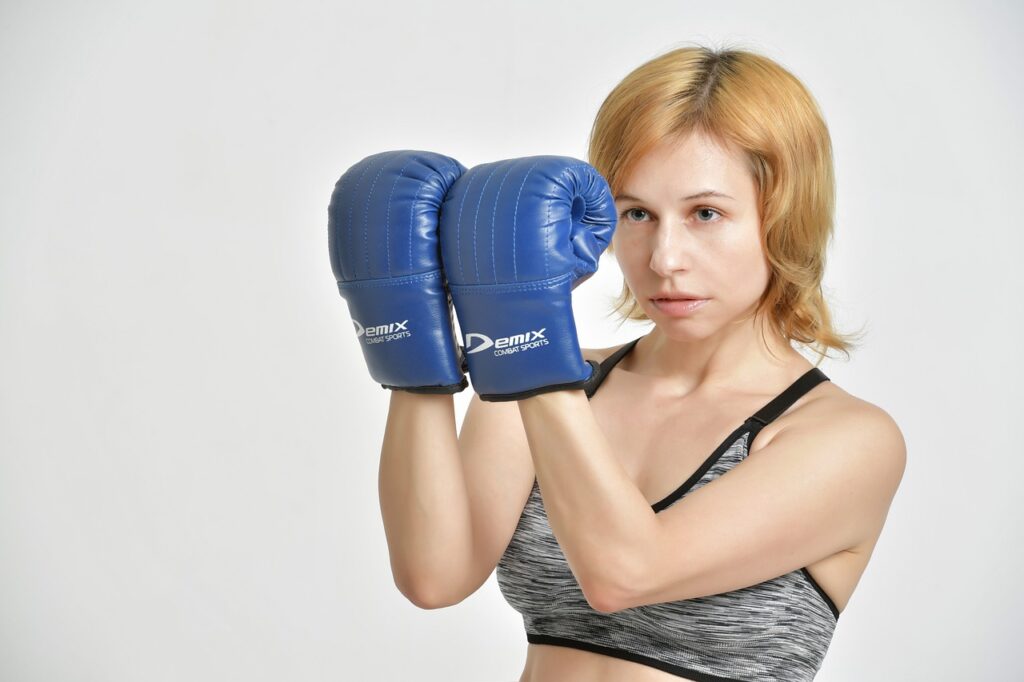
x=426, y=601
x=620, y=586
x=426, y=597
x=601, y=602
x=619, y=577
x=604, y=597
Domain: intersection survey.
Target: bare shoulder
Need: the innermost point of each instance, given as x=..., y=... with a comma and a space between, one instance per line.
x=864, y=430
x=839, y=410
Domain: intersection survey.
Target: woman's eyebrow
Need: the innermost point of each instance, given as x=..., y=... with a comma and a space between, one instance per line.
x=698, y=195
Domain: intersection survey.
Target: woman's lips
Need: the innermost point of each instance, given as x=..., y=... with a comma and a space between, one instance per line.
x=678, y=307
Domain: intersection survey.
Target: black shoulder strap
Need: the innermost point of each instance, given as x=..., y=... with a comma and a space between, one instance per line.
x=781, y=402
x=601, y=371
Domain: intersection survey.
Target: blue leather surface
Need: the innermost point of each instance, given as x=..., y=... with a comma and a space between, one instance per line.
x=517, y=236
x=384, y=248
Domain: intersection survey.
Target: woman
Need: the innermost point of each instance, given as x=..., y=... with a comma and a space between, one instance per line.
x=673, y=539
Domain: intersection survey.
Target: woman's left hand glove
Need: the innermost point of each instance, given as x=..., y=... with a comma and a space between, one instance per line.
x=517, y=236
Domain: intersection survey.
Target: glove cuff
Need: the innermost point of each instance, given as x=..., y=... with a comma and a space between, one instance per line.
x=454, y=388
x=406, y=332
x=587, y=385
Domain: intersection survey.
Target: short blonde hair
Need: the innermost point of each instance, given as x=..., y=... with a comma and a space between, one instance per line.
x=746, y=99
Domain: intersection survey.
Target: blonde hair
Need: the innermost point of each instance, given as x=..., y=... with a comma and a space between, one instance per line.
x=750, y=101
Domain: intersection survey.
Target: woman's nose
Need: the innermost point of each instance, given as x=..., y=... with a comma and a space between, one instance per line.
x=669, y=252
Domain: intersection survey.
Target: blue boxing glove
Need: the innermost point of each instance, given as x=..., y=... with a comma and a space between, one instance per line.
x=383, y=240
x=517, y=236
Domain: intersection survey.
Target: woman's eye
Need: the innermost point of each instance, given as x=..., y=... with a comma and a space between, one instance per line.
x=702, y=209
x=630, y=213
x=637, y=215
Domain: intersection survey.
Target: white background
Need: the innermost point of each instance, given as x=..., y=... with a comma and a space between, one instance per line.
x=189, y=436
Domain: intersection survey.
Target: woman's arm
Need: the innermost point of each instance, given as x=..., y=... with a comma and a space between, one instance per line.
x=423, y=498
x=600, y=517
x=434, y=489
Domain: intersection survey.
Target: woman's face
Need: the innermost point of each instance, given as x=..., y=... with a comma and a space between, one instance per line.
x=670, y=240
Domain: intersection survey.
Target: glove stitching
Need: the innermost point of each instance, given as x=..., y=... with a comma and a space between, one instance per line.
x=458, y=228
x=488, y=289
x=494, y=215
x=389, y=282
x=547, y=237
x=349, y=230
x=366, y=220
x=476, y=223
x=515, y=216
x=387, y=217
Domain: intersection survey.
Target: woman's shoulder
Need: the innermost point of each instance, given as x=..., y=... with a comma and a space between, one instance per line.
x=837, y=404
x=842, y=416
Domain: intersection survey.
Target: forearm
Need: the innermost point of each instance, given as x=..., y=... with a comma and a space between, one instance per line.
x=601, y=519
x=423, y=498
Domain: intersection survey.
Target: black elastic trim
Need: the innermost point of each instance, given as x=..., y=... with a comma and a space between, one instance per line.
x=678, y=670
x=793, y=392
x=715, y=455
x=451, y=388
x=583, y=384
x=770, y=412
x=753, y=424
x=606, y=365
x=821, y=591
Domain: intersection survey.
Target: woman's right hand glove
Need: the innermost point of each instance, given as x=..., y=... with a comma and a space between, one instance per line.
x=382, y=233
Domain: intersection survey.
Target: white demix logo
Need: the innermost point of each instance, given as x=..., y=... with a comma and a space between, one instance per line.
x=382, y=333
x=506, y=345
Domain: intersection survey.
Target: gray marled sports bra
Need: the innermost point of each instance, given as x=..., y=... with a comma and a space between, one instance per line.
x=776, y=630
